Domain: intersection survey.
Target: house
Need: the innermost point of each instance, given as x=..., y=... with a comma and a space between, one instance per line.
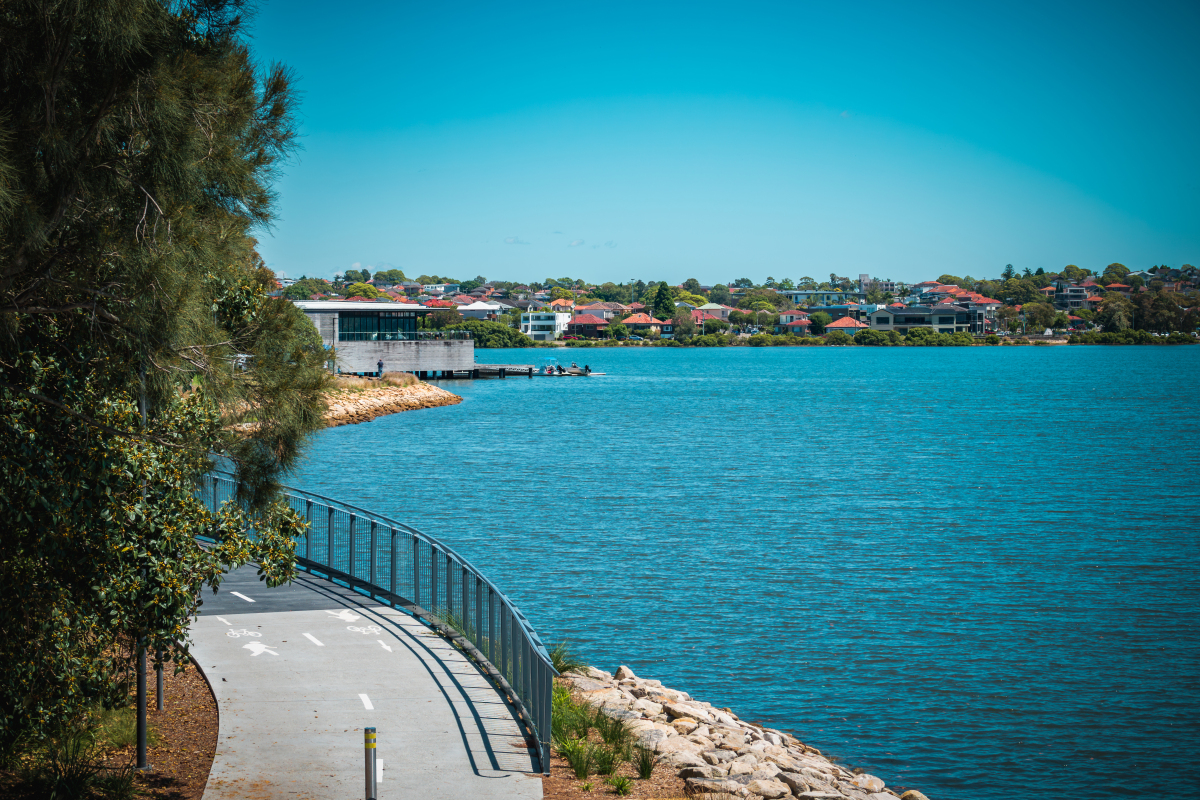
x=1094, y=301
x=846, y=325
x=588, y=326
x=644, y=323
x=1120, y=288
x=799, y=327
x=603, y=310
x=440, y=288
x=821, y=296
x=562, y=304
x=545, y=326
x=866, y=284
x=788, y=317
x=941, y=318
x=851, y=310
x=481, y=310
x=719, y=311
x=1071, y=296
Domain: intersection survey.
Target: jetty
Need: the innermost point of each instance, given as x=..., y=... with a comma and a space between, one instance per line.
x=479, y=371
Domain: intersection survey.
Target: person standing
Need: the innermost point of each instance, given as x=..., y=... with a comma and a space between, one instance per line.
x=380, y=365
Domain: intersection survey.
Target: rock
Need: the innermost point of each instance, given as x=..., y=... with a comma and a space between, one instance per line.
x=674, y=743
x=740, y=768
x=687, y=711
x=913, y=794
x=588, y=684
x=598, y=674
x=704, y=742
x=881, y=796
x=767, y=769
x=620, y=713
x=794, y=781
x=625, y=674
x=769, y=789
x=648, y=708
x=747, y=758
x=707, y=771
x=821, y=794
x=650, y=739
x=685, y=758
x=713, y=785
x=868, y=782
x=718, y=756
x=684, y=725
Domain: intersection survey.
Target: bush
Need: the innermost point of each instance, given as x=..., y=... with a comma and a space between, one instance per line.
x=1129, y=336
x=643, y=762
x=872, y=339
x=992, y=339
x=488, y=334
x=607, y=759
x=838, y=338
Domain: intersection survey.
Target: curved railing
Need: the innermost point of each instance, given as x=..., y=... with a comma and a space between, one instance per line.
x=406, y=569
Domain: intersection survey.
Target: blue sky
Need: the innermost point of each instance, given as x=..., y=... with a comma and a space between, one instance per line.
x=614, y=140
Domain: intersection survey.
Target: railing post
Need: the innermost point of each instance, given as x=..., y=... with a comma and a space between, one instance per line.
x=479, y=613
x=394, y=571
x=465, y=591
x=433, y=579
x=308, y=530
x=371, y=568
x=329, y=540
x=416, y=548
x=491, y=651
x=350, y=571
x=545, y=692
x=449, y=586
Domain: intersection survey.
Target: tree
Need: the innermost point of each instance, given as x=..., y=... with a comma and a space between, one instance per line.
x=1115, y=313
x=1073, y=273
x=872, y=338
x=692, y=299
x=617, y=330
x=839, y=338
x=743, y=283
x=139, y=144
x=715, y=326
x=391, y=276
x=950, y=280
x=692, y=285
x=720, y=295
x=363, y=290
x=787, y=283
x=489, y=334
x=559, y=293
x=768, y=296
x=1009, y=272
x=1061, y=321
x=682, y=323
x=664, y=302
x=357, y=276
x=612, y=293
x=807, y=283
x=444, y=318
x=305, y=288
x=819, y=320
x=1038, y=316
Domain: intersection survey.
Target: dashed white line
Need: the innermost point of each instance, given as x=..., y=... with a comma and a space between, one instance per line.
x=366, y=702
x=313, y=639
x=239, y=594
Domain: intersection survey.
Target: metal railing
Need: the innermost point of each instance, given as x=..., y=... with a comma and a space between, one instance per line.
x=399, y=566
x=402, y=336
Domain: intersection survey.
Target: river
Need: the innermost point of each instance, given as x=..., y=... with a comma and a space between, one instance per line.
x=967, y=570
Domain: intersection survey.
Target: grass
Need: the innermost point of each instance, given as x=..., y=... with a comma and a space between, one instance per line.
x=643, y=762
x=117, y=728
x=613, y=731
x=620, y=784
x=564, y=660
x=607, y=759
x=353, y=383
x=579, y=755
x=70, y=763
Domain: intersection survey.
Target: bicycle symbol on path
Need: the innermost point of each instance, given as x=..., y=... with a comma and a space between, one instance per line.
x=243, y=632
x=369, y=629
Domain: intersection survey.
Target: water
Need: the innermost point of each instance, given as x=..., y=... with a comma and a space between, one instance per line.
x=968, y=571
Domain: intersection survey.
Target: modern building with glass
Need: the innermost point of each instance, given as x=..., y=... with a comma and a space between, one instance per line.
x=363, y=334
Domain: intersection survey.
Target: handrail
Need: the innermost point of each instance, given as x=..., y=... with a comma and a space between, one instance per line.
x=402, y=336
x=401, y=567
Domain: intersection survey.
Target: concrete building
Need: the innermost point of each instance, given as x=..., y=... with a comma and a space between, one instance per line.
x=363, y=334
x=545, y=326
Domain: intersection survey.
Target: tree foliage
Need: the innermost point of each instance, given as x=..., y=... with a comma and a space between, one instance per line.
x=138, y=141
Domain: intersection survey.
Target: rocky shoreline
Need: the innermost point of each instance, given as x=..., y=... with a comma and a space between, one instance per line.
x=350, y=407
x=718, y=755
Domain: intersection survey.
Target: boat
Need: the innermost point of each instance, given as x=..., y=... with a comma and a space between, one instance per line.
x=551, y=368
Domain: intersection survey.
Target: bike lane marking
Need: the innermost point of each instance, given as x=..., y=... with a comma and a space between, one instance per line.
x=313, y=639
x=366, y=702
x=239, y=594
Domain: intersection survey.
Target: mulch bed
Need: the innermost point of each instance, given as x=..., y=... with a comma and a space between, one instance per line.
x=563, y=785
x=187, y=742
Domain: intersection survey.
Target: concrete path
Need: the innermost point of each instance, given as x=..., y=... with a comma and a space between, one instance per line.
x=299, y=671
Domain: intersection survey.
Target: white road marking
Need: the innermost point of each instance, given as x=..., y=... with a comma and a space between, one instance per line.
x=345, y=615
x=313, y=639
x=224, y=621
x=258, y=648
x=369, y=629
x=366, y=702
x=378, y=770
x=385, y=647
x=239, y=594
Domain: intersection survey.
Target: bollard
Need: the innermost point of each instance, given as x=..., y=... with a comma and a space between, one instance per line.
x=369, y=753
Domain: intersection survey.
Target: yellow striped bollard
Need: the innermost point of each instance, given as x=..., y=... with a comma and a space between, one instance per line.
x=369, y=753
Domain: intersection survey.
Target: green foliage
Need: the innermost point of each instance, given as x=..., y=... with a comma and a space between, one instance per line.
x=305, y=288
x=564, y=660
x=620, y=784
x=992, y=339
x=362, y=290
x=819, y=320
x=139, y=151
x=356, y=276
x=606, y=758
x=489, y=334
x=1038, y=316
x=390, y=276
x=617, y=330
x=838, y=338
x=1129, y=336
x=872, y=338
x=772, y=298
x=720, y=295
x=643, y=762
x=579, y=755
x=613, y=730
x=684, y=326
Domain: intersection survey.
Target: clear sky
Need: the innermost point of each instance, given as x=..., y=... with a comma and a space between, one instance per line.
x=615, y=140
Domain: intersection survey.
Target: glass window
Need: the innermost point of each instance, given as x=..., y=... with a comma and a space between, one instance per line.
x=882, y=320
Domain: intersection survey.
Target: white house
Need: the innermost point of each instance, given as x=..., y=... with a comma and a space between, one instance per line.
x=481, y=310
x=545, y=326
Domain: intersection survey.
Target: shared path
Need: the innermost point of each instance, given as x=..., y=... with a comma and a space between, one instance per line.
x=300, y=670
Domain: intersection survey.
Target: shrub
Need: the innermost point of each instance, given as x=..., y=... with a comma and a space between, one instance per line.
x=564, y=660
x=992, y=339
x=838, y=339
x=613, y=731
x=607, y=759
x=578, y=754
x=643, y=762
x=872, y=339
x=621, y=785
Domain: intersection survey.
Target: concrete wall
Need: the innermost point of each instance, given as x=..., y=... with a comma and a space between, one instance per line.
x=406, y=356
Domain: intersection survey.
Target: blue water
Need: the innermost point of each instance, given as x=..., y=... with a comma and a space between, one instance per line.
x=968, y=571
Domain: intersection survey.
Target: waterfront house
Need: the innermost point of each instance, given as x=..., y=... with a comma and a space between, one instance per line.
x=942, y=318
x=545, y=326
x=717, y=310
x=799, y=327
x=846, y=325
x=604, y=310
x=587, y=326
x=644, y=323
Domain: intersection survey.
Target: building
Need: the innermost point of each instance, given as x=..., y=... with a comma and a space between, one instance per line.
x=821, y=296
x=604, y=310
x=545, y=326
x=363, y=334
x=866, y=283
x=716, y=310
x=481, y=310
x=846, y=325
x=943, y=319
x=644, y=323
x=587, y=326
x=440, y=288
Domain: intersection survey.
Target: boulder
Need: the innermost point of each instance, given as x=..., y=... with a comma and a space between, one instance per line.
x=685, y=758
x=748, y=758
x=868, y=782
x=707, y=772
x=718, y=756
x=684, y=725
x=821, y=794
x=597, y=674
x=704, y=742
x=674, y=743
x=740, y=768
x=794, y=781
x=769, y=789
x=650, y=738
x=588, y=684
x=687, y=711
x=647, y=708
x=913, y=794
x=881, y=796
x=713, y=786
x=625, y=674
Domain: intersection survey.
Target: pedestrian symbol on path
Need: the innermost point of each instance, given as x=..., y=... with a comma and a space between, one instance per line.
x=258, y=648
